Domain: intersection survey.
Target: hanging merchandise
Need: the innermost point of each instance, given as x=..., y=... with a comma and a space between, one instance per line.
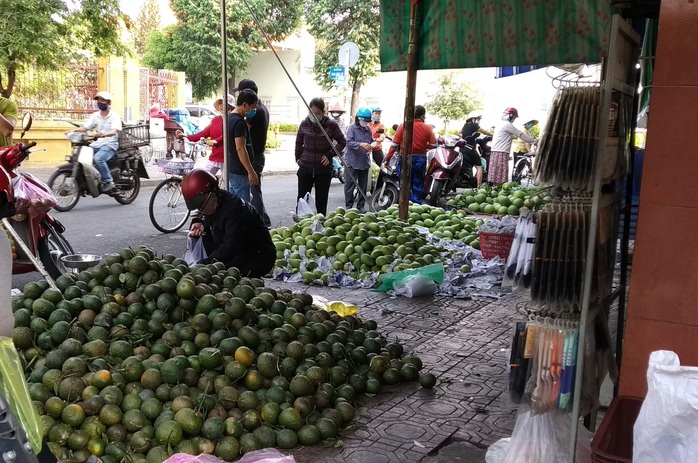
x=561, y=249
x=519, y=266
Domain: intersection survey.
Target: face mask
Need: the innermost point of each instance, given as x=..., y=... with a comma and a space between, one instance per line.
x=376, y=119
x=335, y=115
x=102, y=106
x=314, y=118
x=363, y=123
x=252, y=113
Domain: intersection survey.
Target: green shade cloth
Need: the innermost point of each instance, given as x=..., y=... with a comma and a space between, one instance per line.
x=488, y=33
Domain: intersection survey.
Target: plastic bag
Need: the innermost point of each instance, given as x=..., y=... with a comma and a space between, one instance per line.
x=196, y=252
x=32, y=196
x=435, y=272
x=14, y=389
x=666, y=429
x=269, y=455
x=415, y=286
x=306, y=206
x=541, y=439
x=341, y=307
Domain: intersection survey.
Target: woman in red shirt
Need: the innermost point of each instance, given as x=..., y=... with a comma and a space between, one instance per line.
x=213, y=132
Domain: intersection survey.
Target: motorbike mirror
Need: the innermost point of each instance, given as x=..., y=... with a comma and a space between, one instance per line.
x=26, y=123
x=395, y=126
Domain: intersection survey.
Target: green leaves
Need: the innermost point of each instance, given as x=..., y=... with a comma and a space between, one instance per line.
x=47, y=33
x=193, y=45
x=453, y=100
x=335, y=22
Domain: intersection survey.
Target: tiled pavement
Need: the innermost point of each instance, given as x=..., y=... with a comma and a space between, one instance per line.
x=462, y=343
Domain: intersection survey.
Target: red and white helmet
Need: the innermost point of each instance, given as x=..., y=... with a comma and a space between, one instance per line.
x=511, y=112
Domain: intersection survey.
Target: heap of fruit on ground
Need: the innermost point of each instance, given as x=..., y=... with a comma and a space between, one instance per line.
x=143, y=357
x=362, y=244
x=508, y=199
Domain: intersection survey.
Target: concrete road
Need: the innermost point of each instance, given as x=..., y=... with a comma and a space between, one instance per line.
x=102, y=226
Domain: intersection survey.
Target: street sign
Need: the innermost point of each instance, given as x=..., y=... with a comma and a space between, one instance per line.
x=336, y=72
x=349, y=54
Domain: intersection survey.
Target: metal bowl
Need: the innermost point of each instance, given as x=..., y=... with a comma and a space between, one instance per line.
x=81, y=261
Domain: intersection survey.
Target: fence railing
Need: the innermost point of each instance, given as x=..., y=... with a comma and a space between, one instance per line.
x=64, y=93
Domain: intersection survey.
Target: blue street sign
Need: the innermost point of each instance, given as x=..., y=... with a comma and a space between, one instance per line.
x=336, y=72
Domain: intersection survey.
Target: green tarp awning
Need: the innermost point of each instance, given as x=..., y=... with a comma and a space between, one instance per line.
x=488, y=33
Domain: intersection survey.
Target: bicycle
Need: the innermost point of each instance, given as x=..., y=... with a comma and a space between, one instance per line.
x=167, y=209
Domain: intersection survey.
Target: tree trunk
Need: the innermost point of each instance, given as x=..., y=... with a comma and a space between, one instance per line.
x=355, y=92
x=6, y=90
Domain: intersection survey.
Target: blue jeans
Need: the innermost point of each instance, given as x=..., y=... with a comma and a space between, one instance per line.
x=419, y=172
x=101, y=156
x=239, y=185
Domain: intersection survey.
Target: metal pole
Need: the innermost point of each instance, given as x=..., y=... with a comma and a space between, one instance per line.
x=408, y=125
x=224, y=70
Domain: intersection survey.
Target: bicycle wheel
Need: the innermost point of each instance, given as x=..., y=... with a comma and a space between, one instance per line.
x=168, y=212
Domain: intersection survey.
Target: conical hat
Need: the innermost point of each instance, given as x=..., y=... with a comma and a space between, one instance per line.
x=337, y=108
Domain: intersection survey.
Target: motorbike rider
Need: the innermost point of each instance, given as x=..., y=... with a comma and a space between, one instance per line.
x=422, y=139
x=232, y=230
x=107, y=124
x=378, y=133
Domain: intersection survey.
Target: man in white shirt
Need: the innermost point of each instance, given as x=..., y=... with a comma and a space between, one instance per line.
x=107, y=124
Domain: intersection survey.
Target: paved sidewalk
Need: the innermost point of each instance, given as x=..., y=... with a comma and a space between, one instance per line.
x=462, y=343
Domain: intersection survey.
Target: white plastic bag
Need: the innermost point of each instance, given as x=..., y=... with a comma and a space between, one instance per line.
x=666, y=429
x=195, y=250
x=306, y=206
x=269, y=455
x=415, y=286
x=541, y=438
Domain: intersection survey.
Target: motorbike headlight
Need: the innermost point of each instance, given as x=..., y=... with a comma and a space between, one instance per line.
x=69, y=158
x=75, y=137
x=450, y=142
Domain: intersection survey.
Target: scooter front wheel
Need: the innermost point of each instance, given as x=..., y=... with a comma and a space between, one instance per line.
x=436, y=186
x=65, y=190
x=385, y=197
x=52, y=247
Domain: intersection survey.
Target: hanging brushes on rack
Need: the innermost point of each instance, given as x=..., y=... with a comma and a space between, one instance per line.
x=569, y=144
x=561, y=249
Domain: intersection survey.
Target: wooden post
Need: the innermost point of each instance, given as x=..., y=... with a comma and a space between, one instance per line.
x=408, y=125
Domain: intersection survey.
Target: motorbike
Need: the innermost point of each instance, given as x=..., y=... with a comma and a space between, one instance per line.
x=443, y=166
x=80, y=177
x=337, y=169
x=523, y=170
x=36, y=235
x=386, y=191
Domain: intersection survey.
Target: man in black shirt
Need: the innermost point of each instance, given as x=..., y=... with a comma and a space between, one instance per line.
x=241, y=173
x=259, y=127
x=232, y=229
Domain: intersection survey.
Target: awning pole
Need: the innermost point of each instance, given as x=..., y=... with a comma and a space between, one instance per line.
x=408, y=125
x=224, y=116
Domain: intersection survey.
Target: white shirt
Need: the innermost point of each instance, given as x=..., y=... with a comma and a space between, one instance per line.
x=103, y=125
x=501, y=140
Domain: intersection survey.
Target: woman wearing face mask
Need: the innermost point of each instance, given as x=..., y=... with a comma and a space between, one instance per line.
x=314, y=153
x=357, y=157
x=337, y=115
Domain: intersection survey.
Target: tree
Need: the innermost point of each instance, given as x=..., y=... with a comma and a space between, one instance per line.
x=148, y=20
x=335, y=22
x=49, y=33
x=193, y=45
x=453, y=100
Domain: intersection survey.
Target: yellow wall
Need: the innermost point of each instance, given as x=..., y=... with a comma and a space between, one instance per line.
x=49, y=135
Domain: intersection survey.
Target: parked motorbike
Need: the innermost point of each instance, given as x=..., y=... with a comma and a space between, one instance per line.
x=387, y=188
x=443, y=166
x=523, y=170
x=41, y=234
x=80, y=177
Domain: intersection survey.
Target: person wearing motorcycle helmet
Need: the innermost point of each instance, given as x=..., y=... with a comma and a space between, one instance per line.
x=357, y=158
x=498, y=170
x=107, y=124
x=472, y=126
x=231, y=229
x=378, y=134
x=521, y=147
